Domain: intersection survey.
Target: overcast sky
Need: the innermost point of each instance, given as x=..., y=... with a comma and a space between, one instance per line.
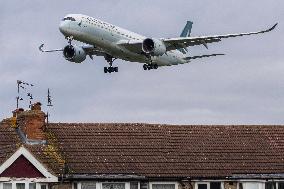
x=244, y=87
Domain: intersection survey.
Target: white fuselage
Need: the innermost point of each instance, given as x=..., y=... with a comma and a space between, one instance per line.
x=107, y=37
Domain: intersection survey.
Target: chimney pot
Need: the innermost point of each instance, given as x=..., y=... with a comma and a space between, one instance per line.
x=17, y=112
x=36, y=106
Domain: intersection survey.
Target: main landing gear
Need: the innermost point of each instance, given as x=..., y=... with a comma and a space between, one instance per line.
x=150, y=66
x=110, y=69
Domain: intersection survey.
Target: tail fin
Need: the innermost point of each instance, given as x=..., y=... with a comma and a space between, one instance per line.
x=187, y=29
x=186, y=33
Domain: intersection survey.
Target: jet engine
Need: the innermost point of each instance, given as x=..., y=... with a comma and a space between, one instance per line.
x=154, y=47
x=74, y=53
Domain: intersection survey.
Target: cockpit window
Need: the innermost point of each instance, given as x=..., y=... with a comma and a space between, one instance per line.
x=69, y=18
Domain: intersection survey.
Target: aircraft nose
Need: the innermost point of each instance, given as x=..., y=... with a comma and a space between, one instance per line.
x=63, y=27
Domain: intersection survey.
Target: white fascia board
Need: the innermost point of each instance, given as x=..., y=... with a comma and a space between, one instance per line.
x=23, y=151
x=231, y=180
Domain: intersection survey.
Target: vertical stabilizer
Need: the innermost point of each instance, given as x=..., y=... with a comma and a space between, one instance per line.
x=186, y=33
x=187, y=29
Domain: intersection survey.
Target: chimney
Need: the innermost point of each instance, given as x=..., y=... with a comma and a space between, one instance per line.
x=32, y=122
x=12, y=121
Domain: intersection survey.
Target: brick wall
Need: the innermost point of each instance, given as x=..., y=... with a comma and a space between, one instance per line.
x=32, y=123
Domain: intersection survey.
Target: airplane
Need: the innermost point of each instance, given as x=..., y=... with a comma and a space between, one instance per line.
x=113, y=42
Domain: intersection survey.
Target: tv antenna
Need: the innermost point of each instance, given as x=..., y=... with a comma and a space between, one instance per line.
x=49, y=104
x=21, y=85
x=49, y=100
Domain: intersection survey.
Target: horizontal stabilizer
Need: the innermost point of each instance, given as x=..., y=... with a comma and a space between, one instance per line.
x=202, y=56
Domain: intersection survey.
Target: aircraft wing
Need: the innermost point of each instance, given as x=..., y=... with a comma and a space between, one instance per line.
x=182, y=42
x=89, y=49
x=201, y=56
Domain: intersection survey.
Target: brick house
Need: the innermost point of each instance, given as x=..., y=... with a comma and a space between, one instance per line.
x=37, y=155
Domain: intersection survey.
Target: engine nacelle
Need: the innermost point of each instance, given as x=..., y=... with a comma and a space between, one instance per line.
x=74, y=53
x=154, y=47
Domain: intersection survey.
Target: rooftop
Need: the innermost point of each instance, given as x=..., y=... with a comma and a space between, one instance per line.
x=155, y=151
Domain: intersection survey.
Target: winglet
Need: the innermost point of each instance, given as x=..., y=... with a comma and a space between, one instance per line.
x=273, y=27
x=40, y=47
x=42, y=50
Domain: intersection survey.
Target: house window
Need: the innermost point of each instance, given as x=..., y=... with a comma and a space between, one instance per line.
x=251, y=185
x=20, y=185
x=270, y=185
x=133, y=185
x=32, y=186
x=163, y=186
x=209, y=185
x=215, y=185
x=75, y=185
x=7, y=186
x=113, y=185
x=43, y=187
x=202, y=186
x=88, y=185
x=144, y=185
x=281, y=185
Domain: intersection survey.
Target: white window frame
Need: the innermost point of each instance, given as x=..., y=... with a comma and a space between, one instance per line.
x=151, y=184
x=38, y=185
x=2, y=184
x=127, y=184
x=207, y=183
x=134, y=181
x=79, y=184
x=99, y=185
x=261, y=184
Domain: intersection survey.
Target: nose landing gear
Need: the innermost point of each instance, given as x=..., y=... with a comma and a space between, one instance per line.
x=69, y=39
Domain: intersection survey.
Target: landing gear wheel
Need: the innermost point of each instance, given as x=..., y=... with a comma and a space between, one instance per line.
x=155, y=66
x=145, y=67
x=106, y=69
x=110, y=69
x=150, y=66
x=115, y=69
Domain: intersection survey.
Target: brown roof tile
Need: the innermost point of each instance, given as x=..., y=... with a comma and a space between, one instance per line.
x=9, y=143
x=156, y=150
x=170, y=151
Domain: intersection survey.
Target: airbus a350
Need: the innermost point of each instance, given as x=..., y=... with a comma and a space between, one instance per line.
x=112, y=42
